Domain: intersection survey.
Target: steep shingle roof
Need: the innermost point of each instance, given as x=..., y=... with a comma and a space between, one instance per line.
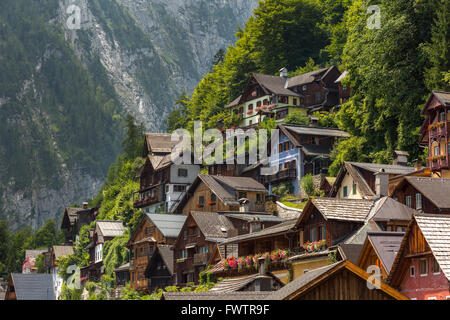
x=388, y=168
x=168, y=224
x=33, y=286
x=61, y=251
x=343, y=209
x=436, y=190
x=33, y=254
x=307, y=77
x=390, y=209
x=386, y=245
x=237, y=284
x=160, y=142
x=316, y=131
x=167, y=256
x=436, y=230
x=274, y=84
x=213, y=225
x=111, y=228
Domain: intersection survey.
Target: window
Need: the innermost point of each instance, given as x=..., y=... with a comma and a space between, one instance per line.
x=185, y=234
x=259, y=198
x=183, y=254
x=418, y=201
x=442, y=116
x=354, y=188
x=305, y=87
x=412, y=271
x=204, y=249
x=182, y=172
x=201, y=200
x=167, y=188
x=423, y=267
x=213, y=197
x=295, y=101
x=436, y=150
x=179, y=188
x=318, y=97
x=345, y=192
x=323, y=234
x=408, y=201
x=242, y=195
x=313, y=235
x=250, y=107
x=258, y=104
x=436, y=268
x=286, y=146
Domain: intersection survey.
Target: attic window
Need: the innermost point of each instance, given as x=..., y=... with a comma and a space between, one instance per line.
x=304, y=87
x=423, y=267
x=223, y=229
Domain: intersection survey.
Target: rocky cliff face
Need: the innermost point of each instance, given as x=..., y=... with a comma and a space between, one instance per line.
x=63, y=90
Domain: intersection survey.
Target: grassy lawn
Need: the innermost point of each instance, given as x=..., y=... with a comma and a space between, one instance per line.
x=294, y=205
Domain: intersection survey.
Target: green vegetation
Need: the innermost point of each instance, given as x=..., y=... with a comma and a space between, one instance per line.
x=307, y=183
x=14, y=244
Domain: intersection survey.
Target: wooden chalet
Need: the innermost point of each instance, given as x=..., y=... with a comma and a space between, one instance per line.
x=162, y=183
x=30, y=287
x=223, y=194
x=302, y=150
x=196, y=241
x=277, y=96
x=421, y=269
x=357, y=180
x=153, y=230
x=430, y=195
x=435, y=133
x=160, y=269
x=380, y=249
x=339, y=281
x=74, y=218
x=392, y=215
x=103, y=232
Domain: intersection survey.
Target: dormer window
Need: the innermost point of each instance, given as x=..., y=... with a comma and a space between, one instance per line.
x=305, y=87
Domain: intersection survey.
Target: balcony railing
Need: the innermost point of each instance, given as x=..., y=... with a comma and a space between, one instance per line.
x=200, y=258
x=289, y=174
x=141, y=203
x=437, y=163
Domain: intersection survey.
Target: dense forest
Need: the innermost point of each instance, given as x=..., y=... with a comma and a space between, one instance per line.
x=392, y=70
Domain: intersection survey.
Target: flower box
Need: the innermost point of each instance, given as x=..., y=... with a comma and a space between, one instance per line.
x=211, y=203
x=199, y=205
x=249, y=111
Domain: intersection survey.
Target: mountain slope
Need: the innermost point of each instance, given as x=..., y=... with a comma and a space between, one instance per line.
x=64, y=93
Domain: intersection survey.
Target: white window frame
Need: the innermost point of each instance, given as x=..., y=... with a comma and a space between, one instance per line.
x=408, y=201
x=418, y=201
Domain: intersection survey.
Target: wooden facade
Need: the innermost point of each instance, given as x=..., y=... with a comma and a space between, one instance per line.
x=142, y=245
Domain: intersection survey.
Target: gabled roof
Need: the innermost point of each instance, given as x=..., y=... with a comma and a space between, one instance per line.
x=238, y=284
x=350, y=251
x=274, y=84
x=33, y=254
x=225, y=188
x=168, y=224
x=308, y=77
x=317, y=276
x=353, y=210
x=124, y=267
x=436, y=231
x=166, y=254
x=437, y=190
x=442, y=96
x=388, y=168
x=386, y=245
x=61, y=251
x=160, y=142
x=392, y=210
x=111, y=228
x=33, y=286
x=315, y=131
x=215, y=227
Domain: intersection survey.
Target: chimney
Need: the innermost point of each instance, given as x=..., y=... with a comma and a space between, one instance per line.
x=381, y=183
x=283, y=72
x=400, y=158
x=85, y=205
x=417, y=165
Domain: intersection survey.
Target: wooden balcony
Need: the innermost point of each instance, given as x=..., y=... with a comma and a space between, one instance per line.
x=289, y=174
x=200, y=259
x=440, y=131
x=438, y=164
x=142, y=203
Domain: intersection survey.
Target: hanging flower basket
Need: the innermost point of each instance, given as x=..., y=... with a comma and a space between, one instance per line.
x=254, y=94
x=249, y=111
